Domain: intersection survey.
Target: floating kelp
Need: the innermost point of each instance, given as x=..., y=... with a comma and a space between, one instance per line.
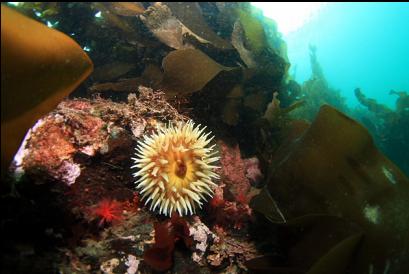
x=315, y=91
x=35, y=78
x=372, y=105
x=388, y=126
x=334, y=168
x=402, y=103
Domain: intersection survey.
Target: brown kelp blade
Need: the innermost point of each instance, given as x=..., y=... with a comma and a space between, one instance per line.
x=39, y=67
x=314, y=244
x=334, y=168
x=188, y=71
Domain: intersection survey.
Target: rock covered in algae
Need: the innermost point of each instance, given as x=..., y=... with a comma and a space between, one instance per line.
x=335, y=169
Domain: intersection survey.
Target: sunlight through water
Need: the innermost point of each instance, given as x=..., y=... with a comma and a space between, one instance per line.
x=289, y=16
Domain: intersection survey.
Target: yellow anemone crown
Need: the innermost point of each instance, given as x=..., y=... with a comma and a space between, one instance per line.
x=175, y=168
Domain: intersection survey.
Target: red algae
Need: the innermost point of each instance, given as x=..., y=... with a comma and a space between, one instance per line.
x=233, y=169
x=229, y=206
x=167, y=233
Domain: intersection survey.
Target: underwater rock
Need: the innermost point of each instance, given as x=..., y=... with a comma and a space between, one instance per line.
x=68, y=172
x=88, y=127
x=108, y=267
x=97, y=136
x=202, y=237
x=229, y=207
x=124, y=242
x=34, y=79
x=132, y=264
x=52, y=152
x=231, y=112
x=334, y=168
x=48, y=135
x=233, y=169
x=256, y=101
x=231, y=251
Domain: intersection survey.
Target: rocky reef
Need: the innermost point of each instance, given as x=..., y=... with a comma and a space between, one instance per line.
x=302, y=187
